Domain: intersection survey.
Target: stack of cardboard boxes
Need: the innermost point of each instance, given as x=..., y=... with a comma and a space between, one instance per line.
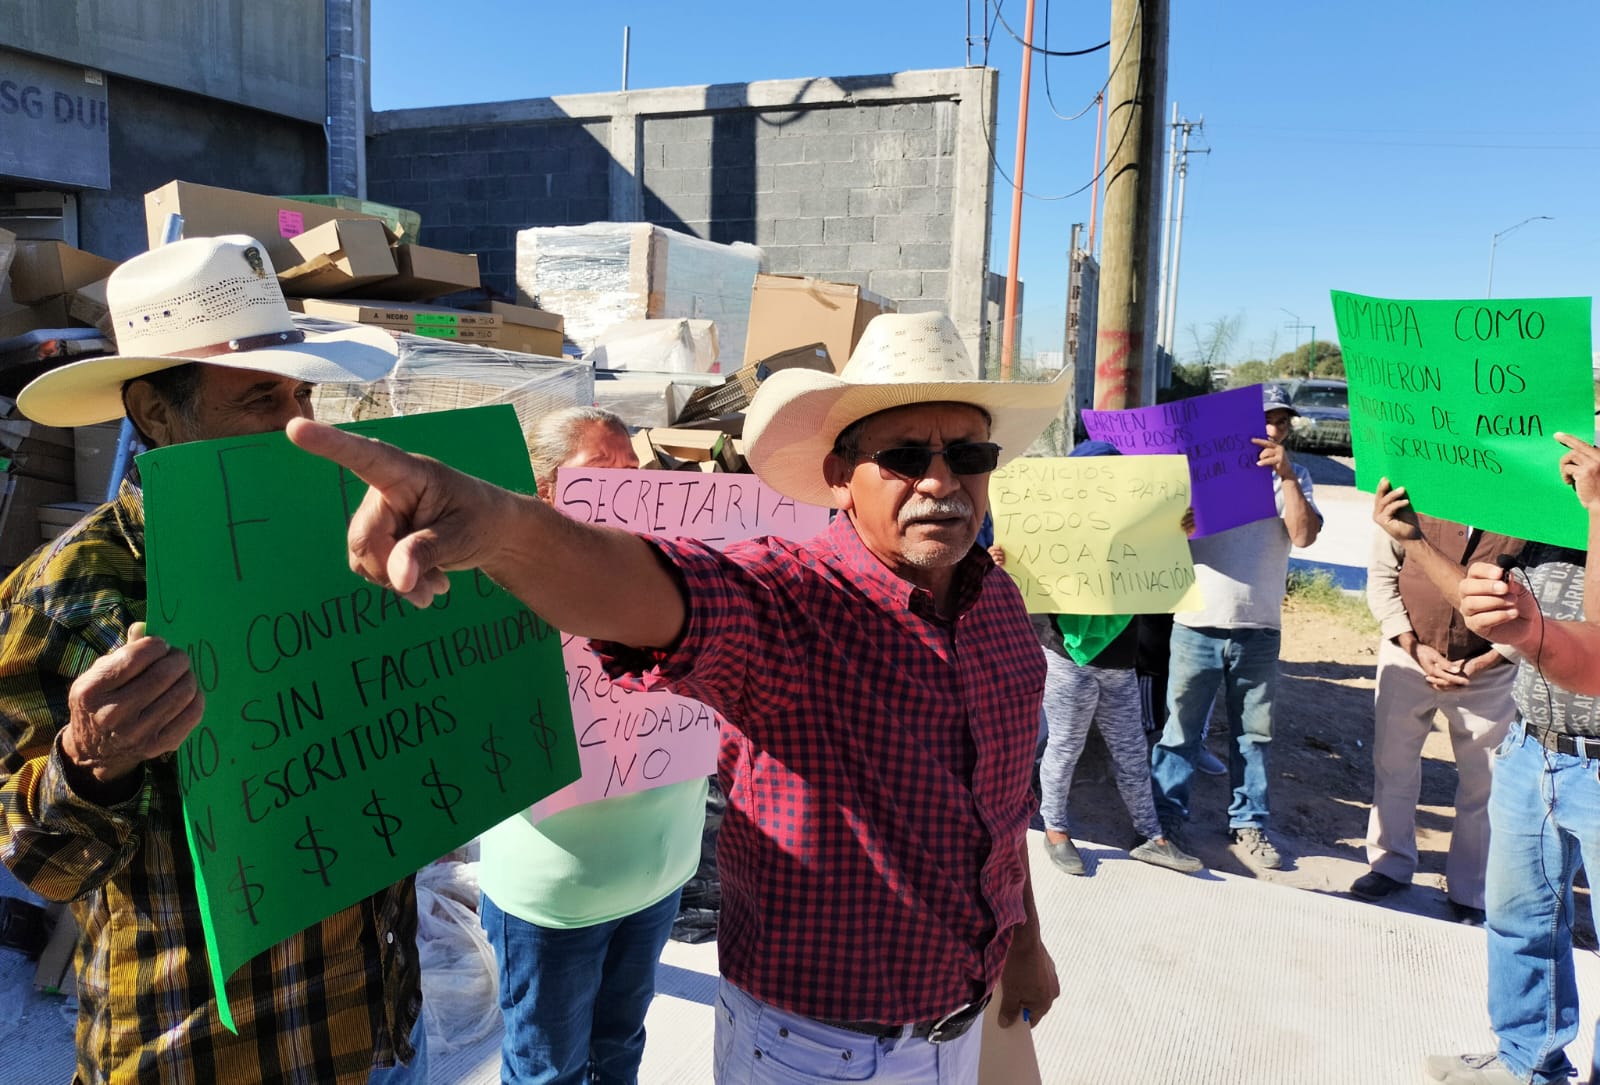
x=793, y=322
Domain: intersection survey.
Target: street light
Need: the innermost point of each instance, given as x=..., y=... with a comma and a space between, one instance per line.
x=1495, y=240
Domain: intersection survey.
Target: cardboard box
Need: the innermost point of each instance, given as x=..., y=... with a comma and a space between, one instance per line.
x=426, y=273
x=209, y=211
x=48, y=269
x=811, y=356
x=20, y=319
x=393, y=315
x=648, y=459
x=405, y=224
x=696, y=445
x=88, y=307
x=338, y=257
x=532, y=331
x=787, y=312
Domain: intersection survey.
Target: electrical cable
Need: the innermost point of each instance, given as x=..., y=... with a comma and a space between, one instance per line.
x=1049, y=52
x=1138, y=88
x=1050, y=97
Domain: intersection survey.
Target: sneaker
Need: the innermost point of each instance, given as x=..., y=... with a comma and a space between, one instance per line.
x=1469, y=1070
x=1065, y=856
x=1374, y=886
x=1466, y=914
x=1258, y=848
x=1166, y=854
x=1209, y=763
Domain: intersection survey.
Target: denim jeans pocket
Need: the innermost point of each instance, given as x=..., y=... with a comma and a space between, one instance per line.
x=797, y=1049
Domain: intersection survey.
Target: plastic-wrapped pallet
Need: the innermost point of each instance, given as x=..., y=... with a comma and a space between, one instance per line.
x=609, y=272
x=441, y=375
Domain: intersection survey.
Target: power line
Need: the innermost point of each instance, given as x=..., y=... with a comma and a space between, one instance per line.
x=988, y=136
x=1047, y=52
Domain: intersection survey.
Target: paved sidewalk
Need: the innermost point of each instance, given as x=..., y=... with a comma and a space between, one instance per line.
x=1166, y=978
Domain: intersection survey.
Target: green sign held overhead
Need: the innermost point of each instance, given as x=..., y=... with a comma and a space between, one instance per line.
x=349, y=738
x=1460, y=401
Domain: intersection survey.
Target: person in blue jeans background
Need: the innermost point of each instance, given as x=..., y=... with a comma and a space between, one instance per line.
x=1544, y=802
x=578, y=906
x=1233, y=645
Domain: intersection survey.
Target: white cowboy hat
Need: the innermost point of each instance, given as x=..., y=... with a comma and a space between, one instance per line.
x=902, y=359
x=208, y=299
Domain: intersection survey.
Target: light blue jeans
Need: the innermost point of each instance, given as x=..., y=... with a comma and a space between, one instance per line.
x=414, y=1072
x=1544, y=821
x=1243, y=663
x=759, y=1044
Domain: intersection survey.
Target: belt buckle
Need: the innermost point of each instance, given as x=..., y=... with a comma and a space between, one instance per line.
x=952, y=1026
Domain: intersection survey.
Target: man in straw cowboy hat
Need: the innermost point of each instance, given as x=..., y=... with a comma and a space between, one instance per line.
x=881, y=683
x=91, y=710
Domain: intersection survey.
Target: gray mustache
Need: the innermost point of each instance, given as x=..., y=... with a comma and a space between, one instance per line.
x=926, y=507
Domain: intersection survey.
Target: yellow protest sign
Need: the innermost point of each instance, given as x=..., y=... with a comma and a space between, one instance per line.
x=1096, y=534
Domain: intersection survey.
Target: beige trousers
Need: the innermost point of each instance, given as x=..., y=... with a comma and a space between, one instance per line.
x=1478, y=716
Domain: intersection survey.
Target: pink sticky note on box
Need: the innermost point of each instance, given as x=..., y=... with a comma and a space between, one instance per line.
x=291, y=224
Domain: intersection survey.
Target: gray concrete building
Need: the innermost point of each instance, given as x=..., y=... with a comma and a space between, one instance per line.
x=103, y=100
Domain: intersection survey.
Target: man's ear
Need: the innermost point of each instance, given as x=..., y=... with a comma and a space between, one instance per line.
x=838, y=472
x=151, y=414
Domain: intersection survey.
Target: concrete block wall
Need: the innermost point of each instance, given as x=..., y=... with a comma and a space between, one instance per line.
x=477, y=185
x=883, y=181
x=852, y=193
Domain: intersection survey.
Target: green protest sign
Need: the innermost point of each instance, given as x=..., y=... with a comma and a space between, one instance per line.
x=1460, y=401
x=349, y=738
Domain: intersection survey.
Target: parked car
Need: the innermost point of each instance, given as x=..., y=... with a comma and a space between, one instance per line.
x=1324, y=422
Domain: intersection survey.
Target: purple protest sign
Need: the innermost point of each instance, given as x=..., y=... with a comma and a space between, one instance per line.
x=1214, y=432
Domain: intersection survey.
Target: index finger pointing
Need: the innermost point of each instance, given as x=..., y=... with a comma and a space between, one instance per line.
x=374, y=462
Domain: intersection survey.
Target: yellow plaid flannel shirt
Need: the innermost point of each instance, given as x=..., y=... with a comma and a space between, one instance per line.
x=325, y=1005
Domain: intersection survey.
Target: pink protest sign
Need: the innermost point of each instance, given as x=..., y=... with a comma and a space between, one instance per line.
x=1214, y=433
x=630, y=740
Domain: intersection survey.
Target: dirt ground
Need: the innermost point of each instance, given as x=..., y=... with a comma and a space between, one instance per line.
x=1321, y=775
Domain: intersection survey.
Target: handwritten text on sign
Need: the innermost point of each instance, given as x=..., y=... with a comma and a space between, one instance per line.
x=630, y=740
x=1459, y=401
x=1096, y=534
x=1214, y=433
x=349, y=738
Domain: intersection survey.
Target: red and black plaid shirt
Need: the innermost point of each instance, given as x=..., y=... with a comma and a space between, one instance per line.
x=876, y=762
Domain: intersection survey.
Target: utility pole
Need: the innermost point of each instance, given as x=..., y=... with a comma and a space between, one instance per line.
x=1008, y=339
x=1169, y=316
x=1163, y=335
x=1138, y=81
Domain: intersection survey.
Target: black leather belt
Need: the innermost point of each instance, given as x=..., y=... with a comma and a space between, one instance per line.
x=951, y=1026
x=1559, y=742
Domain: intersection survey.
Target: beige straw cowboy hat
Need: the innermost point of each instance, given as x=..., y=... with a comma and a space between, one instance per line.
x=208, y=299
x=902, y=359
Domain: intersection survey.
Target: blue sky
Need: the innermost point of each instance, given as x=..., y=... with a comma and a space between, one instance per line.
x=1366, y=146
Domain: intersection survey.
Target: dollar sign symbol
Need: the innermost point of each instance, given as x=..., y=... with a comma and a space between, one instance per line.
x=448, y=794
x=499, y=761
x=324, y=856
x=544, y=736
x=252, y=892
x=388, y=824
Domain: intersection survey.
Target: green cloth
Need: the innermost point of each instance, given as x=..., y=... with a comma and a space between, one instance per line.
x=1085, y=636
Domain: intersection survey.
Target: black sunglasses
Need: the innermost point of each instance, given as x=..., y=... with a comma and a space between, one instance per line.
x=963, y=458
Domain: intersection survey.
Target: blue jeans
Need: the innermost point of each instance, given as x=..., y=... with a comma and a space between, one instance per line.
x=1244, y=663
x=1544, y=820
x=414, y=1072
x=574, y=1000
x=758, y=1044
